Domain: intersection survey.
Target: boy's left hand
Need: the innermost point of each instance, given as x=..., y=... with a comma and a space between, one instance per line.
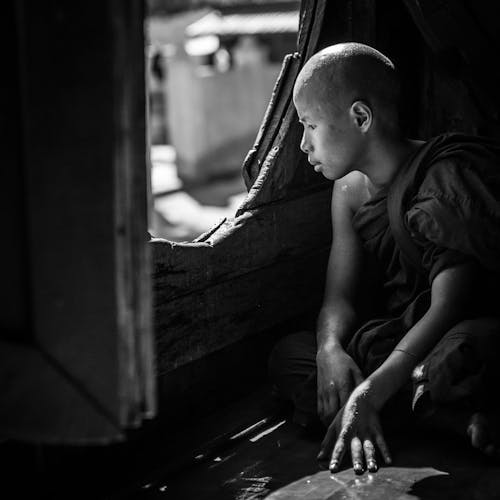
x=356, y=426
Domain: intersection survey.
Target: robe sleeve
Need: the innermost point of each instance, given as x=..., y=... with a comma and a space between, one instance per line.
x=450, y=221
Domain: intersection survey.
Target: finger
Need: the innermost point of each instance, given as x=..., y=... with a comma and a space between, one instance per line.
x=325, y=417
x=357, y=455
x=337, y=454
x=327, y=443
x=369, y=449
x=332, y=406
x=344, y=394
x=477, y=431
x=327, y=405
x=382, y=446
x=332, y=395
x=320, y=406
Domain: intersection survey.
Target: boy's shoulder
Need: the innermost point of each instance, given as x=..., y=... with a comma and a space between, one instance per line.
x=352, y=190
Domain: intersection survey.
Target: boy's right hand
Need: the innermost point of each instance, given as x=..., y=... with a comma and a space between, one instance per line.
x=338, y=376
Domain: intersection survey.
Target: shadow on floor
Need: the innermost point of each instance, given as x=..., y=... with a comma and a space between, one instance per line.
x=277, y=461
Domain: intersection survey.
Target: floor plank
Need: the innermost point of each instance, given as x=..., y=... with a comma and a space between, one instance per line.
x=277, y=461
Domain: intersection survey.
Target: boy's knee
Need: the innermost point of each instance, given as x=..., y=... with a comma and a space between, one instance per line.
x=479, y=328
x=460, y=367
x=290, y=351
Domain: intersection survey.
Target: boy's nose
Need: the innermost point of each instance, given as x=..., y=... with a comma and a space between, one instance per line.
x=304, y=144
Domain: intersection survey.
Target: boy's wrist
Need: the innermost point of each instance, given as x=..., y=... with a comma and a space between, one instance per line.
x=329, y=346
x=379, y=391
x=389, y=378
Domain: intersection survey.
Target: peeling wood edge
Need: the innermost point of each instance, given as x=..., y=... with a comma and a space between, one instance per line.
x=214, y=248
x=291, y=63
x=268, y=130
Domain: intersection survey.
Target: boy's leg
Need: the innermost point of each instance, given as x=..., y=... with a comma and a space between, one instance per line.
x=456, y=386
x=292, y=367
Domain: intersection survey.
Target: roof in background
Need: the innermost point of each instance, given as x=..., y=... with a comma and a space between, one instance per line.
x=215, y=23
x=161, y=7
x=163, y=30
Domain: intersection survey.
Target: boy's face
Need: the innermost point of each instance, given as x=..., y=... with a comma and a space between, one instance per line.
x=330, y=138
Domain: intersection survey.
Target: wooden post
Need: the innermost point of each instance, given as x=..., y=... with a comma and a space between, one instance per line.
x=79, y=367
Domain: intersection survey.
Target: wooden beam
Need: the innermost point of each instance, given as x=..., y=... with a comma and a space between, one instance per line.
x=77, y=181
x=195, y=325
x=254, y=240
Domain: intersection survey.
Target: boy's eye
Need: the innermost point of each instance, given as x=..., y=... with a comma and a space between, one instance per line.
x=311, y=127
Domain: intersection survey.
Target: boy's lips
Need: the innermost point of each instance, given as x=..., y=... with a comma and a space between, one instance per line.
x=315, y=164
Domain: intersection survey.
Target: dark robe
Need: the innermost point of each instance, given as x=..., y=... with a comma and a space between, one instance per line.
x=441, y=210
x=445, y=206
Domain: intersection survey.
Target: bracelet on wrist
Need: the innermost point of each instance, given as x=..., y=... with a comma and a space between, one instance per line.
x=406, y=352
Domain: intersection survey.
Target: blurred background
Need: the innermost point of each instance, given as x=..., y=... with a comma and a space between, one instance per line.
x=211, y=68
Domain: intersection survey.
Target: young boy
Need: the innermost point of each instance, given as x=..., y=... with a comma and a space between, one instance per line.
x=427, y=212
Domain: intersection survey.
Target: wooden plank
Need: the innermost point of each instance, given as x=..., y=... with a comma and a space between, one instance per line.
x=280, y=99
x=80, y=177
x=133, y=259
x=282, y=131
x=255, y=239
x=192, y=326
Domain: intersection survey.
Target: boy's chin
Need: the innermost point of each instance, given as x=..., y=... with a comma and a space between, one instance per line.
x=329, y=175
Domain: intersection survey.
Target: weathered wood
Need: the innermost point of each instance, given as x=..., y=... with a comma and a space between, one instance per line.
x=280, y=99
x=212, y=293
x=80, y=175
x=131, y=181
x=281, y=127
x=238, y=247
x=193, y=326
x=207, y=292
x=285, y=172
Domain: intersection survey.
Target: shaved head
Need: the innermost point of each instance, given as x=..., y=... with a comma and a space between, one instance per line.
x=341, y=74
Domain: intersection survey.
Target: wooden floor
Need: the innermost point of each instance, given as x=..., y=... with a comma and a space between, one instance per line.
x=276, y=460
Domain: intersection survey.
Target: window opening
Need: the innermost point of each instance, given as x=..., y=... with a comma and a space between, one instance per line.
x=211, y=72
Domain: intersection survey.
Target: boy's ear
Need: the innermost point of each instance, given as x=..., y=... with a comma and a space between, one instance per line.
x=362, y=115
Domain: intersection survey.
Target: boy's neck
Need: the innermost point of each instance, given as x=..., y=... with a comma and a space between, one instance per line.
x=387, y=158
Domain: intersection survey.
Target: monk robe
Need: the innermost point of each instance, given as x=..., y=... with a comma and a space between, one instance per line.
x=441, y=210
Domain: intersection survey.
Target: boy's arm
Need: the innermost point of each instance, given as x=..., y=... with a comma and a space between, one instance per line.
x=357, y=427
x=450, y=294
x=337, y=372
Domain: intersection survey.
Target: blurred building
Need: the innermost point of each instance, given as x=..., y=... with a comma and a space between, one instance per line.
x=215, y=70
